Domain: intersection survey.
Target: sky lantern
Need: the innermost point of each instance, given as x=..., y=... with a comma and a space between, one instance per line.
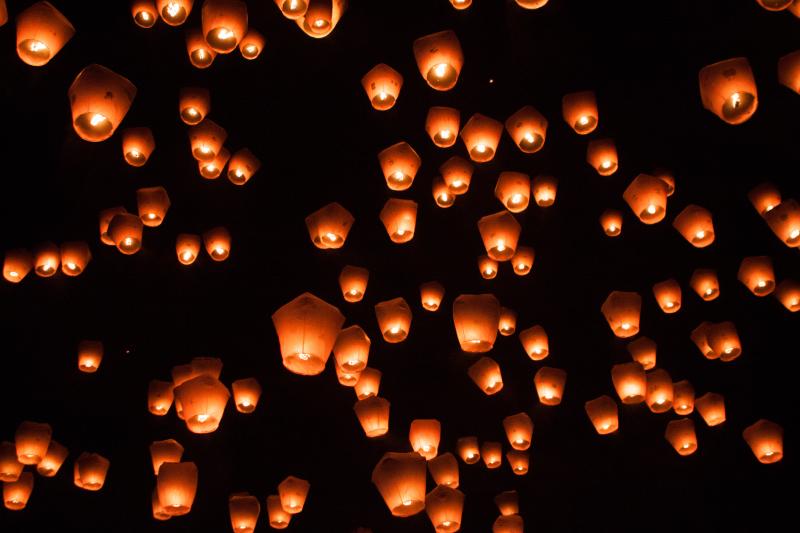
x=137, y=145
x=550, y=384
x=394, y=319
x=500, y=234
x=647, y=198
x=531, y=4
x=711, y=407
x=699, y=337
x=373, y=414
x=775, y=5
x=485, y=372
x=481, y=135
x=242, y=165
x=513, y=189
x=601, y=154
x=705, y=283
x=369, y=383
x=53, y=459
x=202, y=400
x=224, y=24
x=382, y=85
x=177, y=486
x=321, y=17
x=212, y=169
x=206, y=366
x=488, y=267
x=174, y=12
x=508, y=321
x=784, y=221
x=144, y=13
x=10, y=467
x=194, y=103
x=765, y=439
x=251, y=44
x=399, y=217
x=788, y=293
x=544, y=190
x=580, y=111
x=519, y=461
x=667, y=177
x=519, y=430
x=522, y=260
x=187, y=248
x=47, y=258
x=442, y=125
x=292, y=9
x=457, y=174
x=476, y=318
x=659, y=392
x=424, y=435
x=604, y=414
x=16, y=265
x=492, y=454
x=200, y=53
x=460, y=5
x=90, y=354
x=511, y=523
x=444, y=506
x=159, y=512
x=90, y=471
x=764, y=197
x=728, y=90
x=682, y=398
x=724, y=340
x=153, y=204
x=630, y=382
x=444, y=470
x=328, y=226
x=757, y=275
x=441, y=193
x=353, y=282
x=400, y=478
x=507, y=502
x=789, y=70
x=680, y=434
x=75, y=255
x=668, y=295
x=99, y=99
x=351, y=349
x=345, y=377
x=399, y=164
x=696, y=226
x=217, y=243
x=159, y=397
x=307, y=328
x=622, y=311
x=293, y=492
x=439, y=59
x=643, y=350
x=206, y=139
x=165, y=451
x=244, y=510
x=246, y=393
x=611, y=221
x=42, y=30
x=431, y=294
x=528, y=129
x=278, y=518
x=468, y=450
x=32, y=440
x=535, y=342
x=16, y=493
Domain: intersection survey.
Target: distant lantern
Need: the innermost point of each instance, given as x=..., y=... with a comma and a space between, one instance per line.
x=187, y=247
x=246, y=393
x=765, y=439
x=728, y=89
x=468, y=450
x=530, y=4
x=534, y=341
x=177, y=486
x=784, y=220
x=90, y=354
x=611, y=221
x=307, y=328
x=373, y=414
x=16, y=493
x=511, y=523
x=442, y=125
x=711, y=407
x=528, y=129
x=351, y=349
x=206, y=366
x=457, y=174
x=699, y=337
x=476, y=318
x=382, y=85
x=550, y=384
x=47, y=259
x=10, y=467
x=696, y=226
x=244, y=510
x=278, y=518
x=668, y=179
x=328, y=226
x=683, y=397
x=399, y=164
x=424, y=435
x=174, y=12
x=705, y=284
x=519, y=430
x=99, y=99
x=604, y=414
x=659, y=392
x=206, y=139
x=400, y=478
x=444, y=506
x=137, y=145
x=292, y=9
x=488, y=267
x=353, y=282
x=441, y=193
x=788, y=293
x=643, y=350
x=622, y=311
x=399, y=217
x=217, y=242
x=203, y=401
x=580, y=111
x=680, y=434
x=545, y=189
x=200, y=53
x=630, y=382
x=647, y=198
x=346, y=377
x=500, y=234
x=775, y=5
x=789, y=70
x=153, y=205
x=252, y=44
x=492, y=454
x=293, y=492
x=17, y=264
x=394, y=319
x=513, y=189
x=212, y=169
x=90, y=471
x=668, y=295
x=519, y=461
x=32, y=440
x=194, y=104
x=485, y=372
x=53, y=460
x=439, y=59
x=321, y=17
x=42, y=30
x=165, y=451
x=522, y=260
x=460, y=5
x=224, y=24
x=431, y=294
x=723, y=339
x=601, y=154
x=757, y=275
x=764, y=197
x=444, y=470
x=508, y=321
x=242, y=165
x=159, y=397
x=368, y=384
x=481, y=135
x=144, y=13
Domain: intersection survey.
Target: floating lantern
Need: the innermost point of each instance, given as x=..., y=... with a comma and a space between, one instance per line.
x=508, y=321
x=507, y=502
x=194, y=104
x=99, y=99
x=601, y=154
x=177, y=486
x=757, y=275
x=534, y=341
x=159, y=512
x=159, y=397
x=90, y=354
x=399, y=164
x=205, y=366
x=705, y=283
x=784, y=220
x=647, y=198
x=394, y=319
x=622, y=311
x=399, y=217
x=728, y=90
x=630, y=382
x=683, y=397
x=90, y=471
x=530, y=4
x=293, y=492
x=765, y=439
x=668, y=295
x=351, y=349
x=510, y=523
x=788, y=293
x=153, y=204
x=439, y=59
x=492, y=453
x=244, y=510
x=217, y=243
x=643, y=350
x=424, y=434
x=10, y=467
x=137, y=145
x=373, y=414
x=444, y=470
x=459, y=5
x=603, y=413
x=528, y=129
x=611, y=221
x=696, y=226
x=775, y=5
x=53, y=459
x=789, y=70
x=321, y=17
x=431, y=294
x=481, y=135
x=307, y=328
x=224, y=24
x=659, y=392
x=187, y=247
x=485, y=372
x=165, y=451
x=699, y=336
x=711, y=407
x=47, y=258
x=500, y=234
x=442, y=125
x=441, y=193
x=292, y=9
x=519, y=430
x=550, y=384
x=518, y=461
x=468, y=450
x=368, y=384
x=522, y=261
x=764, y=197
x=278, y=518
x=200, y=53
x=345, y=377
x=42, y=30
x=580, y=111
x=252, y=44
x=242, y=166
x=724, y=340
x=202, y=400
x=246, y=393
x=457, y=174
x=544, y=190
x=17, y=264
x=400, y=478
x=174, y=12
x=488, y=267
x=353, y=282
x=206, y=139
x=513, y=189
x=144, y=13
x=328, y=227
x=16, y=493
x=382, y=85
x=668, y=179
x=32, y=440
x=444, y=506
x=212, y=169
x=476, y=318
x=680, y=434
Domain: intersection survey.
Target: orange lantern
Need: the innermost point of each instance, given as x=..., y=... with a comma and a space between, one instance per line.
x=550, y=384
x=293, y=492
x=711, y=407
x=700, y=337
x=252, y=44
x=424, y=434
x=696, y=226
x=90, y=354
x=601, y=154
x=351, y=349
x=764, y=197
x=519, y=430
x=99, y=99
x=488, y=267
x=659, y=392
x=16, y=493
x=439, y=59
x=345, y=377
x=441, y=193
x=724, y=340
x=200, y=53
x=630, y=382
x=522, y=260
x=10, y=467
x=174, y=12
x=643, y=350
x=507, y=502
x=42, y=30
x=444, y=506
x=518, y=461
x=528, y=129
x=137, y=145
x=668, y=295
x=373, y=414
x=165, y=451
x=159, y=512
x=500, y=234
x=321, y=17
x=481, y=135
x=224, y=24
x=153, y=205
x=444, y=470
x=394, y=319
x=399, y=217
x=278, y=518
x=144, y=13
x=611, y=221
x=328, y=227
x=399, y=164
x=400, y=478
x=728, y=90
x=125, y=231
x=622, y=311
x=765, y=439
x=194, y=104
x=756, y=274
x=353, y=282
x=177, y=486
x=217, y=243
x=784, y=221
x=32, y=440
x=75, y=255
x=457, y=174
x=530, y=4
x=534, y=341
x=476, y=318
x=580, y=111
x=789, y=70
x=705, y=284
x=307, y=328
x=53, y=459
x=211, y=170
x=511, y=523
x=159, y=397
x=442, y=125
x=187, y=247
x=668, y=179
x=459, y=5
x=485, y=372
x=47, y=259
x=603, y=413
x=544, y=190
x=202, y=400
x=468, y=450
x=431, y=293
x=682, y=397
x=508, y=321
x=368, y=384
x=788, y=293
x=242, y=166
x=492, y=453
x=382, y=85
x=16, y=265
x=775, y=5
x=513, y=190
x=246, y=393
x=292, y=9
x=206, y=139
x=244, y=510
x=205, y=366
x=90, y=471
x=680, y=434
x=647, y=198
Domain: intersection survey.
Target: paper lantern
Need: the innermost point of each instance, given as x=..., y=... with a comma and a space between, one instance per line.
x=159, y=397
x=75, y=255
x=788, y=293
x=224, y=24
x=510, y=523
x=252, y=44
x=439, y=59
x=647, y=198
x=580, y=111
x=153, y=204
x=603, y=413
x=202, y=400
x=217, y=243
x=200, y=53
x=212, y=169
x=528, y=129
x=507, y=502
x=177, y=486
x=368, y=384
x=728, y=90
x=485, y=372
x=125, y=231
x=194, y=103
x=622, y=311
x=144, y=13
x=174, y=12
x=16, y=493
x=16, y=265
x=10, y=467
x=244, y=510
x=441, y=193
x=373, y=414
x=159, y=512
x=601, y=154
x=789, y=71
x=460, y=5
x=424, y=435
x=351, y=349
x=518, y=461
x=784, y=221
x=345, y=377
x=550, y=384
x=695, y=225
x=321, y=17
x=53, y=459
x=444, y=506
x=534, y=341
x=544, y=190
x=353, y=282
x=668, y=295
x=508, y=321
x=643, y=350
x=328, y=226
x=99, y=99
x=757, y=275
x=476, y=318
x=683, y=397
x=765, y=439
x=775, y=5
x=165, y=451
x=488, y=267
x=90, y=354
x=442, y=125
x=699, y=337
x=47, y=258
x=705, y=283
x=530, y=4
x=522, y=260
x=431, y=294
x=42, y=31
x=659, y=391
x=468, y=450
x=399, y=217
x=711, y=407
x=246, y=393
x=513, y=189
x=399, y=164
x=668, y=179
x=457, y=174
x=394, y=319
x=500, y=234
x=32, y=440
x=481, y=135
x=444, y=470
x=293, y=492
x=680, y=434
x=205, y=366
x=630, y=382
x=137, y=145
x=519, y=430
x=206, y=139
x=723, y=339
x=492, y=453
x=242, y=166
x=764, y=197
x=278, y=518
x=292, y=9
x=90, y=471
x=187, y=248
x=611, y=222
x=382, y=85
x=400, y=479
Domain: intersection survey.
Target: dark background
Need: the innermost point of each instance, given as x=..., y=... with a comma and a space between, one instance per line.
x=301, y=110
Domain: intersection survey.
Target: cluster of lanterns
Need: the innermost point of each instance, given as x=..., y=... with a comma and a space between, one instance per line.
x=72, y=258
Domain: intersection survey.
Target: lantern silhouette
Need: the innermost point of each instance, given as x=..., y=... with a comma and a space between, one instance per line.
x=244, y=510
x=16, y=265
x=137, y=145
x=492, y=454
x=519, y=430
x=346, y=378
x=177, y=486
x=723, y=339
x=399, y=164
x=90, y=354
x=488, y=267
x=511, y=523
x=278, y=518
x=187, y=248
x=784, y=221
x=544, y=190
x=764, y=197
x=47, y=259
x=368, y=384
x=224, y=24
x=252, y=44
x=212, y=169
x=382, y=85
x=10, y=467
x=353, y=282
x=293, y=492
x=307, y=328
x=373, y=414
x=321, y=17
x=206, y=139
x=174, y=12
x=460, y=5
x=757, y=275
x=242, y=166
x=580, y=111
x=611, y=221
x=696, y=226
x=32, y=440
x=530, y=4
x=522, y=260
x=399, y=217
x=789, y=71
x=431, y=294
x=328, y=226
x=507, y=502
x=99, y=99
x=601, y=154
x=217, y=243
x=400, y=479
x=668, y=295
x=647, y=198
x=159, y=397
x=165, y=451
x=442, y=125
x=439, y=59
x=630, y=382
x=292, y=9
x=476, y=318
x=200, y=53
x=705, y=283
x=728, y=90
x=500, y=234
x=550, y=384
x=246, y=393
x=775, y=5
x=42, y=31
x=643, y=350
x=711, y=407
x=528, y=129
x=468, y=450
x=144, y=13
x=699, y=337
x=16, y=493
x=194, y=103
x=444, y=470
x=508, y=322
x=457, y=174
x=90, y=471
x=534, y=341
x=622, y=311
x=394, y=319
x=659, y=392
x=351, y=349
x=441, y=193
x=604, y=414
x=788, y=293
x=513, y=190
x=485, y=372
x=680, y=434
x=518, y=461
x=444, y=506
x=765, y=439
x=682, y=398
x=481, y=135
x=424, y=435
x=153, y=204
x=125, y=231
x=202, y=400
x=53, y=459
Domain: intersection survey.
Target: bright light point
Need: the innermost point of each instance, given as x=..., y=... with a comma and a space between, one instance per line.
x=219, y=250
x=353, y=292
x=407, y=503
x=238, y=173
x=769, y=207
x=444, y=134
x=528, y=137
x=522, y=267
x=762, y=284
x=13, y=274
x=127, y=241
x=700, y=234
x=612, y=227
x=684, y=406
x=470, y=455
x=606, y=426
x=516, y=198
x=685, y=446
x=211, y=168
x=37, y=46
x=173, y=8
x=626, y=326
x=670, y=305
x=201, y=54
x=709, y=292
x=548, y=395
x=202, y=418
x=304, y=356
x=440, y=70
x=606, y=164
x=192, y=111
x=651, y=209
x=661, y=401
x=736, y=100
x=224, y=34
x=382, y=95
x=444, y=197
x=426, y=448
x=457, y=183
x=537, y=351
x=446, y=523
x=72, y=266
x=151, y=216
x=394, y=329
x=250, y=49
x=330, y=236
x=205, y=149
x=769, y=454
x=584, y=120
x=399, y=176
x=794, y=234
x=481, y=148
x=186, y=256
x=489, y=271
x=401, y=232
x=729, y=349
x=145, y=16
x=501, y=246
x=245, y=403
x=319, y=23
x=520, y=441
x=96, y=119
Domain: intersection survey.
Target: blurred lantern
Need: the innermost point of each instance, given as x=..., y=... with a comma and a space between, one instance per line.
x=705, y=283
x=292, y=9
x=153, y=204
x=622, y=311
x=353, y=282
x=468, y=450
x=647, y=198
x=528, y=129
x=513, y=189
x=668, y=295
x=775, y=5
x=293, y=492
x=580, y=111
x=507, y=502
x=307, y=328
x=3, y=12
x=459, y=5
x=457, y=174
x=659, y=392
x=519, y=430
x=373, y=414
x=346, y=378
x=488, y=267
x=444, y=506
x=522, y=261
x=217, y=243
x=174, y=12
x=224, y=24
x=699, y=337
x=159, y=397
x=444, y=470
x=399, y=164
x=530, y=4
x=212, y=169
x=187, y=247
x=400, y=478
x=42, y=30
x=246, y=393
x=481, y=135
x=544, y=190
x=668, y=179
x=756, y=274
x=165, y=451
x=244, y=510
x=508, y=321
x=382, y=85
x=16, y=493
x=177, y=486
x=17, y=264
x=252, y=44
x=604, y=414
x=137, y=145
x=492, y=453
x=789, y=70
x=696, y=226
x=53, y=459
x=321, y=17
x=206, y=139
x=200, y=53
x=724, y=340
x=518, y=461
x=534, y=341
x=485, y=372
x=204, y=366
x=611, y=221
x=99, y=99
x=764, y=197
x=630, y=382
x=683, y=397
x=784, y=220
x=159, y=512
x=511, y=523
x=351, y=349
x=394, y=319
x=47, y=259
x=328, y=226
x=278, y=518
x=728, y=90
x=765, y=439
x=711, y=407
x=550, y=384
x=399, y=217
x=431, y=294
x=32, y=440
x=368, y=384
x=643, y=350
x=10, y=467
x=788, y=293
x=441, y=193
x=194, y=104
x=439, y=59
x=202, y=401
x=442, y=125
x=424, y=435
x=476, y=318
x=90, y=354
x=90, y=471
x=500, y=234
x=75, y=255
x=242, y=166
x=144, y=13
x=602, y=155
x=680, y=434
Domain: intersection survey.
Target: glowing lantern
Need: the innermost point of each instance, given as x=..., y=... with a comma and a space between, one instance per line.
x=165, y=451
x=459, y=5
x=137, y=145
x=700, y=337
x=328, y=227
x=513, y=190
x=534, y=341
x=507, y=502
x=99, y=99
x=530, y=4
x=611, y=221
x=522, y=260
x=206, y=139
x=604, y=414
x=488, y=267
x=431, y=294
x=784, y=220
x=194, y=104
x=53, y=459
x=90, y=471
x=16, y=265
x=580, y=111
x=468, y=450
x=668, y=179
x=211, y=170
x=278, y=518
x=544, y=190
x=728, y=90
x=382, y=85
x=444, y=506
x=353, y=282
x=159, y=512
x=177, y=486
x=775, y=5
x=705, y=283
x=444, y=470
x=399, y=164
x=481, y=135
x=602, y=155
x=242, y=166
x=153, y=204
x=668, y=295
x=508, y=321
x=441, y=193
x=630, y=382
x=765, y=439
x=244, y=510
x=643, y=350
x=200, y=53
x=75, y=255
x=217, y=243
x=457, y=174
x=696, y=226
x=205, y=366
x=485, y=372
x=42, y=31
x=500, y=234
x=368, y=384
x=789, y=70
x=764, y=197
x=724, y=340
x=174, y=12
x=394, y=319
x=424, y=434
x=519, y=430
x=90, y=354
x=711, y=407
x=622, y=311
x=16, y=493
x=202, y=400
x=224, y=24
x=511, y=523
x=528, y=129
x=518, y=461
x=788, y=293
x=373, y=414
x=400, y=478
x=246, y=393
x=293, y=492
x=321, y=17
x=47, y=259
x=659, y=392
x=492, y=453
x=680, y=434
x=399, y=217
x=550, y=384
x=292, y=9
x=439, y=59
x=32, y=440
x=159, y=397
x=10, y=467
x=647, y=198
x=476, y=318
x=346, y=378
x=756, y=274
x=144, y=13
x=442, y=125
x=351, y=349
x=252, y=44
x=187, y=247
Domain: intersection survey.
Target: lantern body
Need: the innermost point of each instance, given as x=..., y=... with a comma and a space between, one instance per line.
x=394, y=319
x=444, y=470
x=485, y=372
x=16, y=265
x=476, y=318
x=643, y=350
x=125, y=230
x=292, y=9
x=442, y=125
x=535, y=342
x=647, y=198
x=90, y=471
x=723, y=339
x=700, y=337
x=194, y=103
x=224, y=24
x=165, y=451
x=346, y=378
x=680, y=434
x=321, y=17
x=431, y=294
x=399, y=217
x=293, y=492
x=705, y=284
x=711, y=407
x=668, y=179
x=522, y=261
x=41, y=32
x=788, y=293
x=10, y=467
x=511, y=523
x=177, y=486
x=775, y=5
x=159, y=397
x=789, y=71
x=47, y=259
x=382, y=85
x=550, y=384
x=611, y=221
x=144, y=13
x=242, y=166
x=518, y=461
x=481, y=135
x=468, y=450
x=244, y=510
x=206, y=139
x=519, y=430
x=246, y=393
x=159, y=512
x=513, y=190
x=728, y=90
x=580, y=111
x=137, y=145
x=622, y=311
x=764, y=197
x=278, y=518
x=457, y=174
x=351, y=349
x=368, y=384
x=251, y=44
x=32, y=440
x=90, y=354
x=528, y=129
x=153, y=205
x=217, y=243
x=757, y=275
x=604, y=414
x=683, y=398
x=400, y=478
x=444, y=506
x=201, y=55
x=460, y=5
x=500, y=234
x=765, y=439
x=508, y=321
x=399, y=164
x=530, y=4
x=424, y=435
x=601, y=154
x=53, y=459
x=174, y=12
x=16, y=493
x=353, y=282
x=202, y=400
x=488, y=267
x=441, y=193
x=784, y=220
x=212, y=169
x=439, y=59
x=328, y=227
x=696, y=226
x=492, y=453
x=659, y=392
x=507, y=502
x=99, y=99
x=544, y=190
x=187, y=248
x=668, y=295
x=373, y=414
x=630, y=382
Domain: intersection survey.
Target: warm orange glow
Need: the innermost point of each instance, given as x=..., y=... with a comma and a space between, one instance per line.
x=530, y=4
x=394, y=319
x=476, y=318
x=723, y=339
x=518, y=461
x=99, y=99
x=320, y=17
x=513, y=189
x=224, y=24
x=353, y=282
x=500, y=234
x=252, y=44
x=217, y=242
x=177, y=485
x=683, y=398
x=457, y=174
x=507, y=502
x=580, y=111
x=444, y=470
x=788, y=293
x=508, y=321
x=17, y=264
x=511, y=523
x=246, y=393
x=459, y=5
x=784, y=221
x=550, y=383
x=534, y=341
x=400, y=478
x=705, y=283
x=468, y=450
x=373, y=414
x=481, y=135
x=485, y=372
x=699, y=337
x=368, y=384
x=431, y=294
x=757, y=275
x=604, y=414
x=153, y=204
x=32, y=440
x=137, y=145
x=351, y=349
x=765, y=439
x=53, y=460
x=242, y=165
x=328, y=226
x=601, y=154
x=519, y=430
x=159, y=397
x=144, y=13
x=292, y=9
x=47, y=258
x=424, y=435
x=202, y=401
x=643, y=350
x=278, y=518
x=90, y=354
x=630, y=382
x=647, y=198
x=382, y=85
x=90, y=471
x=789, y=68
x=611, y=221
x=75, y=255
x=696, y=226
x=528, y=129
x=441, y=193
x=659, y=392
x=439, y=59
x=16, y=493
x=444, y=506
x=187, y=248
x=399, y=164
x=668, y=295
x=728, y=90
x=622, y=311
x=492, y=454
x=680, y=434
x=42, y=30
x=442, y=125
x=174, y=12
x=194, y=103
x=711, y=407
x=522, y=261
x=244, y=510
x=165, y=451
x=206, y=139
x=488, y=267
x=10, y=467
